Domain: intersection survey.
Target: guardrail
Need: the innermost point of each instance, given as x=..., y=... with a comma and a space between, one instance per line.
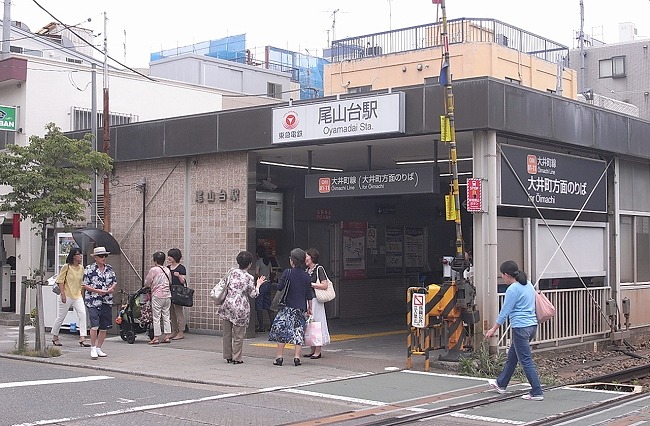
x=579, y=316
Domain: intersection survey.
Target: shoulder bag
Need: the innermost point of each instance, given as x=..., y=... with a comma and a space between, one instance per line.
x=280, y=298
x=324, y=295
x=181, y=295
x=544, y=309
x=220, y=290
x=56, y=289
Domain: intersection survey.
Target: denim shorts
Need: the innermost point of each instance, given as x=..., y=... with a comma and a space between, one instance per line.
x=101, y=317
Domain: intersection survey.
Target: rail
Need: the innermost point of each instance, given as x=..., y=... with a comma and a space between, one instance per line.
x=578, y=317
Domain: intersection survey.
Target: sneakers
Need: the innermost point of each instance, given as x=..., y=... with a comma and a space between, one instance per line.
x=530, y=397
x=101, y=353
x=493, y=384
x=93, y=353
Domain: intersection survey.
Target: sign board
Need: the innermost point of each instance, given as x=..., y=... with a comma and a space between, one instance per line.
x=8, y=118
x=362, y=116
x=474, y=195
x=552, y=180
x=417, y=310
x=369, y=183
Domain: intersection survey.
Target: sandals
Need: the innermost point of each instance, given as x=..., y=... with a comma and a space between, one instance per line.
x=167, y=340
x=154, y=341
x=83, y=344
x=56, y=342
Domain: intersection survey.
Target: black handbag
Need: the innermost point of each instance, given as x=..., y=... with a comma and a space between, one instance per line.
x=280, y=298
x=183, y=296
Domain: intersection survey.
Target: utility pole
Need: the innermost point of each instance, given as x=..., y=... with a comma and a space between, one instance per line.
x=6, y=30
x=106, y=133
x=93, y=130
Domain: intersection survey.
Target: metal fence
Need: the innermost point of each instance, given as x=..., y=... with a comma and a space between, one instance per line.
x=463, y=30
x=579, y=315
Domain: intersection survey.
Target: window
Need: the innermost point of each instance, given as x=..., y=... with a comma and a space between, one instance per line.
x=72, y=60
x=360, y=89
x=635, y=249
x=274, y=90
x=612, y=68
x=81, y=119
x=7, y=138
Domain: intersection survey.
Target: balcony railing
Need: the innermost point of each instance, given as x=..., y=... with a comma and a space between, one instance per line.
x=463, y=30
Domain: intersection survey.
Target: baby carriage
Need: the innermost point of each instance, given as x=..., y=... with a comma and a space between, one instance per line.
x=135, y=316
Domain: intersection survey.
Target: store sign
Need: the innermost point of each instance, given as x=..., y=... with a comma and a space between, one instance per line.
x=370, y=183
x=552, y=180
x=8, y=118
x=363, y=116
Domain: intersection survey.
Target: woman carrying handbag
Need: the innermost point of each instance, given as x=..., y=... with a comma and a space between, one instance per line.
x=70, y=282
x=318, y=281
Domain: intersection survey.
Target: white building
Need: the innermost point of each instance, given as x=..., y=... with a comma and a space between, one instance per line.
x=48, y=79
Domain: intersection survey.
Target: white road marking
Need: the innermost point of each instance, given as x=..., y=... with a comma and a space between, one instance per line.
x=336, y=397
x=53, y=381
x=133, y=409
x=486, y=419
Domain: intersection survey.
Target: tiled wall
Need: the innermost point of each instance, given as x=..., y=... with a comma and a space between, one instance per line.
x=217, y=230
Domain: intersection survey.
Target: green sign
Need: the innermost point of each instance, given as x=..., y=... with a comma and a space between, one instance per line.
x=7, y=118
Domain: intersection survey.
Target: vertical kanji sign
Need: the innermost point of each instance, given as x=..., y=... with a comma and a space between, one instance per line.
x=474, y=200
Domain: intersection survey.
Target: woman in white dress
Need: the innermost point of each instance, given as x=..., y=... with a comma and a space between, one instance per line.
x=318, y=280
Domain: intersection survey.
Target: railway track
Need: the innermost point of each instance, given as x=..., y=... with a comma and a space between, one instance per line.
x=402, y=413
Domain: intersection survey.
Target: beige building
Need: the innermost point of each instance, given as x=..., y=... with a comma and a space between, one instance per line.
x=478, y=48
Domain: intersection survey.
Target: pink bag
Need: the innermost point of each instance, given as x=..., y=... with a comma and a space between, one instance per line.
x=313, y=334
x=544, y=309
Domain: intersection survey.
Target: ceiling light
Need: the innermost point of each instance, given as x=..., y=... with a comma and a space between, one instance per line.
x=298, y=166
x=427, y=161
x=459, y=174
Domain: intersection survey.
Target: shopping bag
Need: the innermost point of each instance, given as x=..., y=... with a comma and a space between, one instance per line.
x=313, y=334
x=544, y=309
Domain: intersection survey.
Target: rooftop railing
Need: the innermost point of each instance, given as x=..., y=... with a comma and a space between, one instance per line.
x=462, y=30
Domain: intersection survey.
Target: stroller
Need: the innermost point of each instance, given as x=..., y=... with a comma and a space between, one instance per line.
x=135, y=316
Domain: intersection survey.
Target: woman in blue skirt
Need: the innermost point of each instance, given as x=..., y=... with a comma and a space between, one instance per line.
x=289, y=324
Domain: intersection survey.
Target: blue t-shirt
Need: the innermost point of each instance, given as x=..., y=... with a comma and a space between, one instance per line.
x=519, y=306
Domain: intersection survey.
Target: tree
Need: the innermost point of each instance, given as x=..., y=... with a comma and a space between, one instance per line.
x=50, y=183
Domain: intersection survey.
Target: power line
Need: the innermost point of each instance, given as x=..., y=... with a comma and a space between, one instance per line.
x=90, y=44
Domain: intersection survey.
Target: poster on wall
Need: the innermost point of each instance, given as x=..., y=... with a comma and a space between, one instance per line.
x=413, y=248
x=354, y=249
x=372, y=237
x=394, y=249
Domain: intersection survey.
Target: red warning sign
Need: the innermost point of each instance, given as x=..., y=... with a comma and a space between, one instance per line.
x=474, y=199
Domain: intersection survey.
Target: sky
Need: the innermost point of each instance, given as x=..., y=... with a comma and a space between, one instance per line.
x=138, y=27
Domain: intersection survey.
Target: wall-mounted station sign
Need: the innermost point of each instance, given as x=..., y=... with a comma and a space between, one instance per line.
x=370, y=183
x=361, y=116
x=552, y=180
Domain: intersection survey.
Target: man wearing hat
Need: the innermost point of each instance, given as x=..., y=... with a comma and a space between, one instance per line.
x=99, y=283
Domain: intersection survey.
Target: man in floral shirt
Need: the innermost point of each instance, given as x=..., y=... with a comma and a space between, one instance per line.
x=99, y=283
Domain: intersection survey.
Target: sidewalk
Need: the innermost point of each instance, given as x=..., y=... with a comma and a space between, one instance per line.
x=355, y=349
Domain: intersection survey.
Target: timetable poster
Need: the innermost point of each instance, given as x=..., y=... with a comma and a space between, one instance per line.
x=414, y=248
x=394, y=249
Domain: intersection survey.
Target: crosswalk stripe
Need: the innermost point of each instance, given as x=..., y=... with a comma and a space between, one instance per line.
x=53, y=381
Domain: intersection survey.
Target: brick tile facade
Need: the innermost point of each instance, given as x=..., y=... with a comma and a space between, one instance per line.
x=217, y=229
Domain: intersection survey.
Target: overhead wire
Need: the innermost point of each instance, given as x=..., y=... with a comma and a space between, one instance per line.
x=559, y=244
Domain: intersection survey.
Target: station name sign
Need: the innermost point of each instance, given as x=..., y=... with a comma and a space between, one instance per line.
x=370, y=183
x=362, y=116
x=552, y=180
